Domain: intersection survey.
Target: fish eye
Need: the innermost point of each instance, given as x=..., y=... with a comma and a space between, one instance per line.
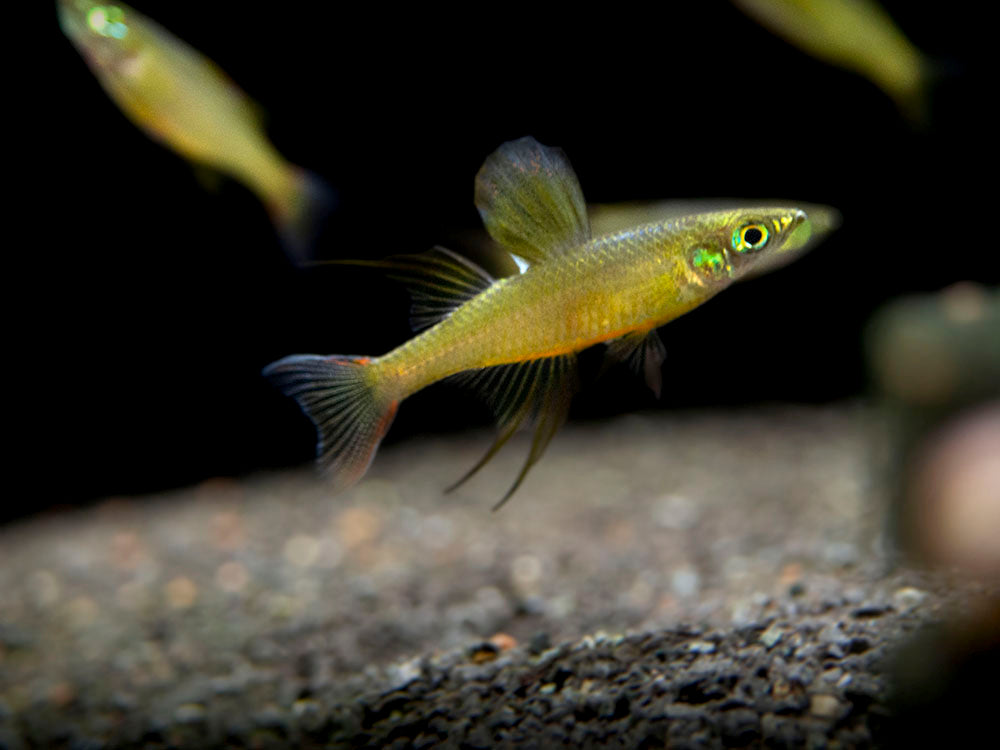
x=750, y=237
x=709, y=262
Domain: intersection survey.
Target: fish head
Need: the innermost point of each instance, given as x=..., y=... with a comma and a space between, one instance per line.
x=100, y=31
x=746, y=242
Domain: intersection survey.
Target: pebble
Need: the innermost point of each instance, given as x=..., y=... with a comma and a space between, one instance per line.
x=908, y=598
x=831, y=675
x=269, y=717
x=771, y=636
x=676, y=512
x=189, y=713
x=302, y=550
x=304, y=708
x=484, y=652
x=540, y=641
x=826, y=706
x=685, y=582
x=232, y=576
x=181, y=592
x=401, y=675
x=701, y=647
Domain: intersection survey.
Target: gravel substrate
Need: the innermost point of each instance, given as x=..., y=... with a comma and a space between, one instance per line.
x=691, y=580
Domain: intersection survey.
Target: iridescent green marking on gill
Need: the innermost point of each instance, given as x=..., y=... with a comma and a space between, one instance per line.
x=712, y=262
x=107, y=20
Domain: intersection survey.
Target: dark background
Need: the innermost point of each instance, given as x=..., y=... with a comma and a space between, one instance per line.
x=150, y=304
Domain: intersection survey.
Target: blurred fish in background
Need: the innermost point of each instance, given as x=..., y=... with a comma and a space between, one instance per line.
x=183, y=100
x=857, y=35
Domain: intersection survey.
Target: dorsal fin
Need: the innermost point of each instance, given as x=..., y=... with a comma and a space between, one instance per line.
x=530, y=200
x=538, y=391
x=438, y=280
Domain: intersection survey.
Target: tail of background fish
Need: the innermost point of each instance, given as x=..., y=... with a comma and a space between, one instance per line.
x=299, y=210
x=347, y=400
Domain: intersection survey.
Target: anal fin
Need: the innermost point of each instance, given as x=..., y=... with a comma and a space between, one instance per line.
x=537, y=391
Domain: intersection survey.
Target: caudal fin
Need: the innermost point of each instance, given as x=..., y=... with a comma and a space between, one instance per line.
x=342, y=398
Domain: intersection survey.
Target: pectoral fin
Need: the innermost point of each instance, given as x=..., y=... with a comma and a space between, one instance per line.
x=644, y=352
x=530, y=200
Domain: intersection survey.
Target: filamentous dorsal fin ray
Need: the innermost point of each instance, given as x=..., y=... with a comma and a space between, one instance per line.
x=539, y=390
x=438, y=281
x=530, y=200
x=644, y=352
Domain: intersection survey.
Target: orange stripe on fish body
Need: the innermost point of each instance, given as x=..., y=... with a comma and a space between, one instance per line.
x=516, y=338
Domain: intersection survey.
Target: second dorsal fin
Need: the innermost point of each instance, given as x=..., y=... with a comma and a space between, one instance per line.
x=438, y=281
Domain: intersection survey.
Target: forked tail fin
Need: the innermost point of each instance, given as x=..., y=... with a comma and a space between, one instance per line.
x=341, y=396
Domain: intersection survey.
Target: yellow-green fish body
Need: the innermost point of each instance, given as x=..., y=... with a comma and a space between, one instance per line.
x=182, y=99
x=610, y=286
x=858, y=35
x=516, y=337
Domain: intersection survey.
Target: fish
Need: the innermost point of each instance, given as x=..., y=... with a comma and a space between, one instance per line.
x=858, y=35
x=516, y=338
x=183, y=100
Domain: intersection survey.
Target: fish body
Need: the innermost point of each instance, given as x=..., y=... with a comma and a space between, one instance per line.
x=516, y=337
x=183, y=100
x=858, y=35
x=610, y=286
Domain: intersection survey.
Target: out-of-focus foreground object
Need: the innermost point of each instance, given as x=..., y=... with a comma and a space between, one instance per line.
x=183, y=100
x=857, y=35
x=935, y=361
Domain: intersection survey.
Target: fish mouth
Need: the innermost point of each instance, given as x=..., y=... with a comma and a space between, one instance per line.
x=807, y=226
x=799, y=232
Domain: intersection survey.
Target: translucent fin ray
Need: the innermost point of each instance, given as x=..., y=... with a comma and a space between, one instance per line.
x=530, y=200
x=438, y=281
x=538, y=391
x=342, y=399
x=644, y=352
